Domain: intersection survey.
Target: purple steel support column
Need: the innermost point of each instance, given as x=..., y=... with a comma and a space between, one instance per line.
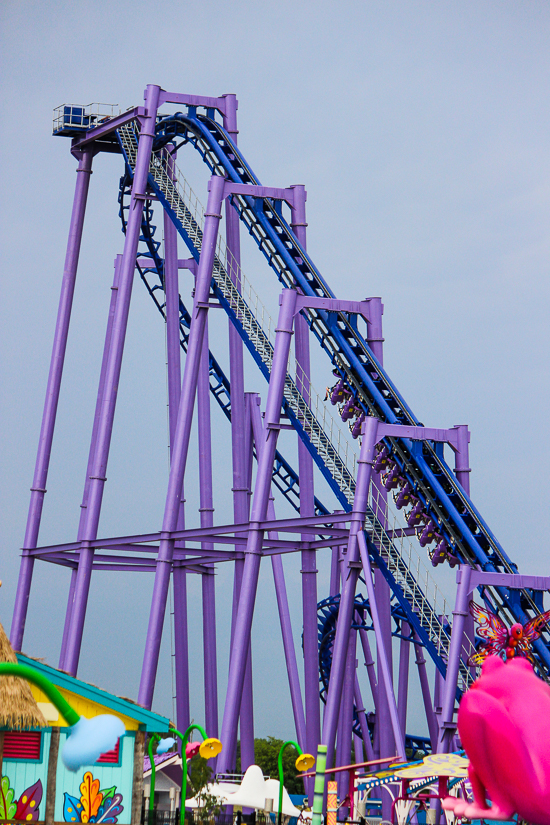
x=347, y=597
x=335, y=571
x=307, y=507
x=403, y=688
x=171, y=291
x=345, y=727
x=367, y=744
x=181, y=642
x=112, y=376
x=448, y=727
x=173, y=352
x=243, y=624
x=462, y=470
x=38, y=489
x=207, y=520
x=241, y=489
x=181, y=442
x=371, y=672
x=91, y=456
x=369, y=663
x=253, y=402
x=439, y=684
x=426, y=697
x=382, y=589
x=383, y=654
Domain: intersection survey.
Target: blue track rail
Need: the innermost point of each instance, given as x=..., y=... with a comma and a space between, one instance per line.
x=421, y=464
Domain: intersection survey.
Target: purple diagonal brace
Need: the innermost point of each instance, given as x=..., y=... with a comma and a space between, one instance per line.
x=38, y=489
x=243, y=624
x=181, y=442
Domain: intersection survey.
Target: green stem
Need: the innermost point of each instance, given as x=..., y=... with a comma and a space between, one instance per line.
x=31, y=675
x=184, y=737
x=281, y=775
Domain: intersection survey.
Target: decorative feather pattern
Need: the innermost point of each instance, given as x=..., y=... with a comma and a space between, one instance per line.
x=7, y=805
x=94, y=805
x=109, y=812
x=90, y=797
x=27, y=805
x=72, y=809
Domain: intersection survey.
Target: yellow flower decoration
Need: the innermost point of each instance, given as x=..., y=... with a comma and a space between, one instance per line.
x=210, y=748
x=305, y=762
x=440, y=764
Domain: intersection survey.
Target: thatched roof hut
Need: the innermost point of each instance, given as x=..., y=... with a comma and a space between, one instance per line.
x=18, y=708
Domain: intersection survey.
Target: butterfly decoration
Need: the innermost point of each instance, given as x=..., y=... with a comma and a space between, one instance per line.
x=500, y=640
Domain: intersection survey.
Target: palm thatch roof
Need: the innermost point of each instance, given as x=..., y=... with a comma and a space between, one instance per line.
x=18, y=708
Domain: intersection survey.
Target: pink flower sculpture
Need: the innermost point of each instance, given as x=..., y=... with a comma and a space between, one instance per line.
x=504, y=724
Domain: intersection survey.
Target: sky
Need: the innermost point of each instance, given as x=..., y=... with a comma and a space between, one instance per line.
x=421, y=133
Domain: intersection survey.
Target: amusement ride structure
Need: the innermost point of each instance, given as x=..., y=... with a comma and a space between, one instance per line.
x=388, y=472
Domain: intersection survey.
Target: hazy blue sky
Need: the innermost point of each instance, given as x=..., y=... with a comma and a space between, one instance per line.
x=421, y=131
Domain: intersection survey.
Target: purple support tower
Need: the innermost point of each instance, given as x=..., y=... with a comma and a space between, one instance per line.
x=362, y=540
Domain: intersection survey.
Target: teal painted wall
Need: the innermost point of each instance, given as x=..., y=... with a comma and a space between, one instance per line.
x=23, y=775
x=109, y=775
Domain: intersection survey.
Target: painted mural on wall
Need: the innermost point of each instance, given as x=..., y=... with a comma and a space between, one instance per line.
x=26, y=807
x=94, y=805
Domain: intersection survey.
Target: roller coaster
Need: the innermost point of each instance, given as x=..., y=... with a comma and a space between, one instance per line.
x=386, y=470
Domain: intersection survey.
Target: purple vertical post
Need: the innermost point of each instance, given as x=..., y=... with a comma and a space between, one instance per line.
x=172, y=308
x=253, y=404
x=345, y=727
x=347, y=597
x=403, y=685
x=181, y=441
x=426, y=697
x=238, y=435
x=462, y=460
x=383, y=653
x=207, y=520
x=307, y=506
x=38, y=489
x=173, y=353
x=448, y=727
x=105, y=425
x=91, y=456
x=359, y=704
x=383, y=595
x=334, y=587
x=243, y=624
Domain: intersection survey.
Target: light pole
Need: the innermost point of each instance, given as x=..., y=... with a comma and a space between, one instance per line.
x=209, y=749
x=304, y=762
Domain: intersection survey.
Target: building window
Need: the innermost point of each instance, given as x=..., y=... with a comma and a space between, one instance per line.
x=111, y=757
x=23, y=744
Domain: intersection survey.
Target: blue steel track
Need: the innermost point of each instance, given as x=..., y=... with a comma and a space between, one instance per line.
x=421, y=464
